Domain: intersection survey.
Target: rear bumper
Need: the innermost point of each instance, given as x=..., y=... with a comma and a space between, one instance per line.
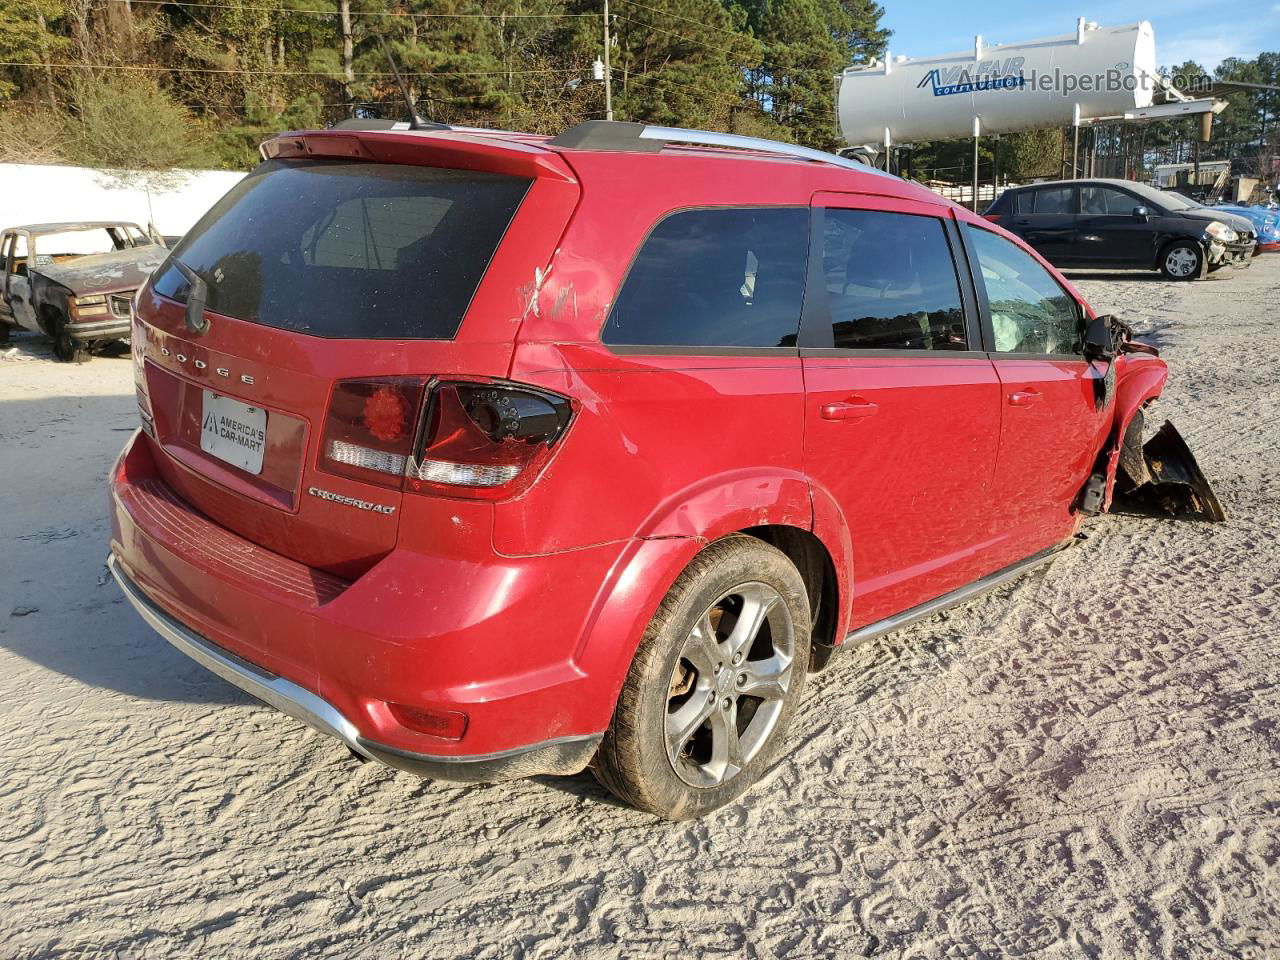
x=566, y=754
x=496, y=638
x=112, y=328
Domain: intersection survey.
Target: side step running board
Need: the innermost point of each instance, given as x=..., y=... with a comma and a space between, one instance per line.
x=864, y=635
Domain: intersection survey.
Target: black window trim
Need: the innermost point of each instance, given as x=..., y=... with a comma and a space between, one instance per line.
x=816, y=336
x=688, y=350
x=984, y=305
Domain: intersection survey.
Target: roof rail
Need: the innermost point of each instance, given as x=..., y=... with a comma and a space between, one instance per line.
x=619, y=135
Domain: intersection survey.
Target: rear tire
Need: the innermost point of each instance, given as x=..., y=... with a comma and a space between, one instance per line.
x=4, y=332
x=714, y=683
x=1182, y=261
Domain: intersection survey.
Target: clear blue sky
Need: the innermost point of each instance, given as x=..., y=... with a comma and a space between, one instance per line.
x=1185, y=29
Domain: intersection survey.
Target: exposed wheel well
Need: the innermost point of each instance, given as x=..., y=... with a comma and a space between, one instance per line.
x=815, y=565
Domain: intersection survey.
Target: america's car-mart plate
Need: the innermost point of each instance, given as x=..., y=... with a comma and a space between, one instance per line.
x=233, y=431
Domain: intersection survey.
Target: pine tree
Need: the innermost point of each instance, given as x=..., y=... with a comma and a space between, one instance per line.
x=796, y=79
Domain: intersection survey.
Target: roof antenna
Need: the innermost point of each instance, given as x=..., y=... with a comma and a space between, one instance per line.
x=415, y=122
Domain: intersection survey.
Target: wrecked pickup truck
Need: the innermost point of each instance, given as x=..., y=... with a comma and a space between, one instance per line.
x=75, y=281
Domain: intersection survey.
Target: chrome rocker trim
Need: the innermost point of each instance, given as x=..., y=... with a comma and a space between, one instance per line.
x=563, y=755
x=871, y=631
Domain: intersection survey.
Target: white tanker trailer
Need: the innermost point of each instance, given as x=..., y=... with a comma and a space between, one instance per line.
x=1094, y=73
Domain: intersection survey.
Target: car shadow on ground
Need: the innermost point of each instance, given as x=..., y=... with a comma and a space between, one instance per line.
x=123, y=655
x=24, y=345
x=1138, y=276
x=1147, y=276
x=60, y=610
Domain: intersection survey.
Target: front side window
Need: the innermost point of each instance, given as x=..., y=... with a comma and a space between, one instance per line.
x=730, y=277
x=1030, y=311
x=891, y=282
x=349, y=250
x=1107, y=201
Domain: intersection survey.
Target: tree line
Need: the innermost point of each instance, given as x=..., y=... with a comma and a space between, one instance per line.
x=152, y=84
x=159, y=83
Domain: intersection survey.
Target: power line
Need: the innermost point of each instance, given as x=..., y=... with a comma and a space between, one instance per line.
x=355, y=13
x=679, y=36
x=276, y=73
x=667, y=78
x=674, y=16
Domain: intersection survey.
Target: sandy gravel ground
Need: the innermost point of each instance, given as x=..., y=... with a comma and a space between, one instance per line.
x=1085, y=764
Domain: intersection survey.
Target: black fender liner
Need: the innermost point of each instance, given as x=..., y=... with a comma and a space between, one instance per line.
x=1163, y=478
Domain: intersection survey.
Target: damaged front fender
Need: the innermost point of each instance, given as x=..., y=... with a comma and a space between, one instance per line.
x=1161, y=477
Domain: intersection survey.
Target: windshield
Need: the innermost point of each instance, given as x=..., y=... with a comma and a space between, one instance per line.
x=344, y=249
x=1176, y=201
x=1165, y=199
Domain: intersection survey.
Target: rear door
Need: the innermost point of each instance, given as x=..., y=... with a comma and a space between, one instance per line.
x=1046, y=218
x=1053, y=424
x=1108, y=233
x=337, y=288
x=902, y=405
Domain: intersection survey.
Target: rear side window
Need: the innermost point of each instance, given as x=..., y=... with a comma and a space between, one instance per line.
x=729, y=277
x=349, y=250
x=891, y=282
x=1050, y=200
x=1030, y=311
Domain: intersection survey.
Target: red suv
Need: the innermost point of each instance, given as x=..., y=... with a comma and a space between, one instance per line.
x=493, y=455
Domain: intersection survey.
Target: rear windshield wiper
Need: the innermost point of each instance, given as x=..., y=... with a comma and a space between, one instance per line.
x=197, y=294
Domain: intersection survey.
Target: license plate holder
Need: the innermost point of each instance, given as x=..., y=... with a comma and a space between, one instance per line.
x=234, y=432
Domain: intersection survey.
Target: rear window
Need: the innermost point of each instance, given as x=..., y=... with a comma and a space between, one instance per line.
x=350, y=250
x=730, y=277
x=1051, y=200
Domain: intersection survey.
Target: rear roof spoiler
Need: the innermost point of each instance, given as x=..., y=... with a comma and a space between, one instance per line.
x=373, y=124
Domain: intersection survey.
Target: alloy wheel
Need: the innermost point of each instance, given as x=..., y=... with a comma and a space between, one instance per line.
x=729, y=684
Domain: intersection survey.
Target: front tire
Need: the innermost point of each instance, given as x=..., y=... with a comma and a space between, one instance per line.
x=65, y=347
x=714, y=683
x=1182, y=261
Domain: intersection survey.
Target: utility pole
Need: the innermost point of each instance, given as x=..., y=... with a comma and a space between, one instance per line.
x=608, y=72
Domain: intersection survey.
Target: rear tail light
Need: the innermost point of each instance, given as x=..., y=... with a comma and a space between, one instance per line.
x=472, y=439
x=484, y=437
x=993, y=217
x=370, y=429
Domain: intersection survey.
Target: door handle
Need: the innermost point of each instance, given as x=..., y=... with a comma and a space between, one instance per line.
x=1024, y=398
x=849, y=410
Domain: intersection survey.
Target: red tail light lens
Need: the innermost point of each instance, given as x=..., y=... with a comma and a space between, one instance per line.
x=486, y=440
x=370, y=428
x=993, y=217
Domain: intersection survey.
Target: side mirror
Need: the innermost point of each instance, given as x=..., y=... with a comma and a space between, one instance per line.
x=1098, y=343
x=1141, y=213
